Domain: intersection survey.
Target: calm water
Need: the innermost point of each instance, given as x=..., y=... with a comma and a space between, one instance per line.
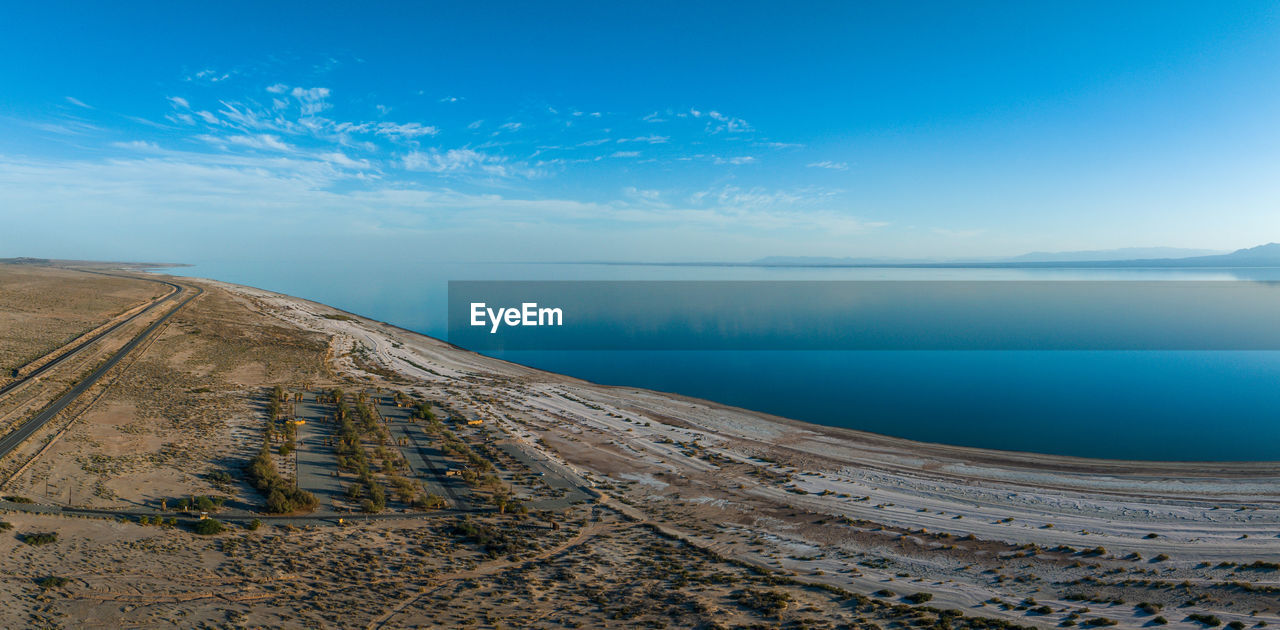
x=1125, y=405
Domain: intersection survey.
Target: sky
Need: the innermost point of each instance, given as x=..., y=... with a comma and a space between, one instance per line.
x=654, y=131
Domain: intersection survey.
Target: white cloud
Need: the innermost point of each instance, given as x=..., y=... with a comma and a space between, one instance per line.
x=511, y=126
x=644, y=195
x=651, y=139
x=178, y=101
x=77, y=102
x=462, y=162
x=138, y=145
x=340, y=159
x=450, y=99
x=405, y=130
x=625, y=154
x=828, y=164
x=312, y=101
x=261, y=142
x=726, y=123
x=210, y=75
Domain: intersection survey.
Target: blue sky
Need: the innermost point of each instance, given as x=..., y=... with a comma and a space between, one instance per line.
x=641, y=131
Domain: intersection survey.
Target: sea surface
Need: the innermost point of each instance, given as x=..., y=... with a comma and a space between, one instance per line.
x=1142, y=405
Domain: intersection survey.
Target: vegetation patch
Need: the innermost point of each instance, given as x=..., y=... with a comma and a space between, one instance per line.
x=52, y=581
x=39, y=539
x=207, y=527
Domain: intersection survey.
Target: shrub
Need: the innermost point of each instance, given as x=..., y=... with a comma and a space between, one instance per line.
x=767, y=603
x=221, y=478
x=52, y=581
x=282, y=497
x=1101, y=621
x=17, y=499
x=5, y=526
x=1236, y=625
x=207, y=527
x=254, y=525
x=919, y=598
x=1207, y=620
x=1160, y=621
x=37, y=540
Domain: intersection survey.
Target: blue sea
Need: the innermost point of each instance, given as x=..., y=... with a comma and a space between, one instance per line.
x=1143, y=405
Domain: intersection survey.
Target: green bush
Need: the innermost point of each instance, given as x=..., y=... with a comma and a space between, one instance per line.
x=254, y=525
x=1208, y=620
x=918, y=598
x=37, y=540
x=282, y=497
x=207, y=527
x=52, y=581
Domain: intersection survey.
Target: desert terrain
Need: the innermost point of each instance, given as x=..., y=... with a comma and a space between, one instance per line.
x=513, y=497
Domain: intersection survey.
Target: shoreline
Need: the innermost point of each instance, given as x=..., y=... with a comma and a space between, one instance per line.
x=1051, y=462
x=878, y=517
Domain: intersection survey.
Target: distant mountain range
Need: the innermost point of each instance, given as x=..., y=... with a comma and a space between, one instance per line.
x=1125, y=253
x=1261, y=256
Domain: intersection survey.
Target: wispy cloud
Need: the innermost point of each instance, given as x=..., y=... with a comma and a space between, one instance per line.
x=464, y=162
x=210, y=75
x=736, y=161
x=138, y=145
x=651, y=139
x=77, y=102
x=828, y=164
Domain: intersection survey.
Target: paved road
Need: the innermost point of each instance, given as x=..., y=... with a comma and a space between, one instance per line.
x=82, y=345
x=429, y=464
x=237, y=516
x=19, y=435
x=317, y=461
x=556, y=476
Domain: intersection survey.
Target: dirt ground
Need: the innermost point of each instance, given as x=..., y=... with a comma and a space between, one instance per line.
x=50, y=307
x=188, y=406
